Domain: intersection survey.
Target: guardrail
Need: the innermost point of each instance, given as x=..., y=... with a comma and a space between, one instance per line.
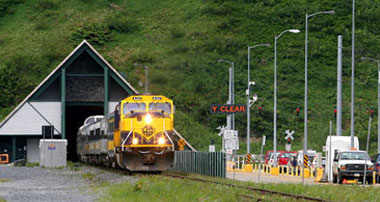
x=203, y=163
x=266, y=168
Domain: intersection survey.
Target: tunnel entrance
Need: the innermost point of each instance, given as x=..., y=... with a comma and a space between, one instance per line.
x=83, y=84
x=75, y=116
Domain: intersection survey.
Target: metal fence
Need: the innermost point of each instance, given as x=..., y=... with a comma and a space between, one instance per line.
x=203, y=163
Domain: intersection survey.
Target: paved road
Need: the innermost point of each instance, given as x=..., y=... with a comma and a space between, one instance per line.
x=41, y=184
x=267, y=178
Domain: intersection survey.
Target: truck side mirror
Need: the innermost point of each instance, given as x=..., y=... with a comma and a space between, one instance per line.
x=335, y=160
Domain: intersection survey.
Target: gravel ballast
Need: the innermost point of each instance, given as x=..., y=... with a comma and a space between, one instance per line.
x=43, y=184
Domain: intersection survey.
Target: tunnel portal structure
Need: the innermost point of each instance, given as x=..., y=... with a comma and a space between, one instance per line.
x=83, y=84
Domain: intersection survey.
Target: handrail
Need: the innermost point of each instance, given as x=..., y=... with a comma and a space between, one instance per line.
x=167, y=135
x=129, y=134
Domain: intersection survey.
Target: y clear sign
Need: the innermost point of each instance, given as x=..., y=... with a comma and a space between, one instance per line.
x=228, y=108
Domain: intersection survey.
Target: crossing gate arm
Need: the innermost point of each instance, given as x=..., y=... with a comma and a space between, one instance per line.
x=187, y=143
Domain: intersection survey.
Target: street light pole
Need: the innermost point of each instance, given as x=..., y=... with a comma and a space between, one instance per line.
x=353, y=76
x=275, y=94
x=146, y=75
x=306, y=87
x=233, y=92
x=378, y=99
x=248, y=94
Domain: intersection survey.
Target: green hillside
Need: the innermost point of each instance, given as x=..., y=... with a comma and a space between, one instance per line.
x=181, y=42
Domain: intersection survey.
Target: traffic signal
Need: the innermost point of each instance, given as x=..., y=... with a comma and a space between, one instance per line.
x=335, y=112
x=289, y=140
x=371, y=112
x=260, y=110
x=298, y=111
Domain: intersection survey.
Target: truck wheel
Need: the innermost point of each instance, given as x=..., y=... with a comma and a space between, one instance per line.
x=334, y=178
x=339, y=179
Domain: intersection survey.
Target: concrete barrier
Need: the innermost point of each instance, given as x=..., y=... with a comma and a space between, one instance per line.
x=275, y=170
x=306, y=173
x=374, y=177
x=319, y=175
x=248, y=168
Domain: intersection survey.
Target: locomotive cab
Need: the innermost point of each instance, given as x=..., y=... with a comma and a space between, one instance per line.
x=146, y=133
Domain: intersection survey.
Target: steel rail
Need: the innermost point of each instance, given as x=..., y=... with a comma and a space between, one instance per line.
x=264, y=191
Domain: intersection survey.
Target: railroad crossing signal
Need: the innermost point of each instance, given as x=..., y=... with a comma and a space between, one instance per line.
x=222, y=129
x=289, y=135
x=248, y=158
x=306, y=161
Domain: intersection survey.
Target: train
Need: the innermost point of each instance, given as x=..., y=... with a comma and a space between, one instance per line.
x=138, y=135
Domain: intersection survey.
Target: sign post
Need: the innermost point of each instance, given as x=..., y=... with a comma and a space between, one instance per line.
x=231, y=142
x=261, y=157
x=248, y=158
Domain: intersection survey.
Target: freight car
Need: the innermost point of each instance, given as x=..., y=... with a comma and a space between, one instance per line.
x=137, y=136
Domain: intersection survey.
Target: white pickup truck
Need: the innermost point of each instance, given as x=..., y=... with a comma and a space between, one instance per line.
x=350, y=165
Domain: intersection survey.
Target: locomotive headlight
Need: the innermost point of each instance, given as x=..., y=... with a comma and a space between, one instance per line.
x=135, y=141
x=148, y=119
x=161, y=140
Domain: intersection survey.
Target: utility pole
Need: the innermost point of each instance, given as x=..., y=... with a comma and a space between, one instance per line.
x=353, y=76
x=248, y=95
x=275, y=94
x=339, y=89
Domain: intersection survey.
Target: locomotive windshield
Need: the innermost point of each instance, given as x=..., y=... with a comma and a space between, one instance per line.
x=160, y=106
x=137, y=106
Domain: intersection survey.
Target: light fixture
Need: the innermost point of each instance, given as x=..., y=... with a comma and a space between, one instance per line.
x=294, y=30
x=161, y=140
x=135, y=141
x=148, y=119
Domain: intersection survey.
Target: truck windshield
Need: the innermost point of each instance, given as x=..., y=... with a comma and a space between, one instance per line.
x=354, y=156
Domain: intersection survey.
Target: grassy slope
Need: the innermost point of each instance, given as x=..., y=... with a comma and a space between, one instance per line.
x=181, y=42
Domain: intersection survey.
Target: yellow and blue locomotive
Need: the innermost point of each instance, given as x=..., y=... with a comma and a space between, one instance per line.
x=138, y=135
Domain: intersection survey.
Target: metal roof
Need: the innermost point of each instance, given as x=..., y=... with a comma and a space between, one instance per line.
x=84, y=42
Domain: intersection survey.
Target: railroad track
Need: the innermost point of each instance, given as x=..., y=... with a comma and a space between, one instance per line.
x=263, y=191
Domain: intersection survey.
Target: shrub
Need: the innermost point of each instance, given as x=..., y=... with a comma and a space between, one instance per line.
x=6, y=6
x=42, y=5
x=98, y=34
x=176, y=32
x=123, y=24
